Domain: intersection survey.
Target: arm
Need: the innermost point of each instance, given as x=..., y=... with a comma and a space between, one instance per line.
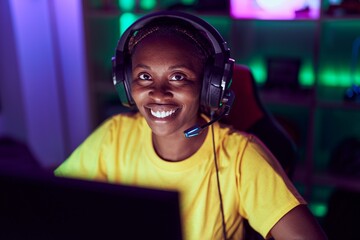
x=299, y=223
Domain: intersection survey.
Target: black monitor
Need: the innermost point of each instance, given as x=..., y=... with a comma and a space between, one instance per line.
x=46, y=207
x=283, y=73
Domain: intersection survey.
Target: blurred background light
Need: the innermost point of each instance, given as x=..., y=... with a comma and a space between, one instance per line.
x=126, y=5
x=147, y=5
x=275, y=9
x=281, y=6
x=125, y=20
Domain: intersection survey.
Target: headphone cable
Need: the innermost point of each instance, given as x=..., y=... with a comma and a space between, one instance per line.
x=218, y=183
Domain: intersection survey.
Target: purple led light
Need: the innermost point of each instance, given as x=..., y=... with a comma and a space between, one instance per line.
x=275, y=9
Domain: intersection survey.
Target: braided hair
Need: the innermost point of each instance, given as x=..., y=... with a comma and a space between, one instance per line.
x=166, y=26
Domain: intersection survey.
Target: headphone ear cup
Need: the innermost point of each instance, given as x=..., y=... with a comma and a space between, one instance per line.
x=204, y=97
x=215, y=83
x=211, y=89
x=122, y=76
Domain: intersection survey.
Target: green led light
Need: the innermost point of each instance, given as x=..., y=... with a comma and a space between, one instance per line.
x=306, y=76
x=259, y=70
x=356, y=80
x=125, y=20
x=328, y=77
x=147, y=4
x=126, y=5
x=318, y=209
x=188, y=2
x=335, y=78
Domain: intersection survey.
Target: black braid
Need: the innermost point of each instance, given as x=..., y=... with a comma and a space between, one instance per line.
x=169, y=26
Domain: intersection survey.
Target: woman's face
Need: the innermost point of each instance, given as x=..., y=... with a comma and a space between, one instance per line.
x=166, y=84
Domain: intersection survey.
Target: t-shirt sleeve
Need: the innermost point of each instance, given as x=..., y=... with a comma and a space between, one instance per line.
x=266, y=192
x=86, y=162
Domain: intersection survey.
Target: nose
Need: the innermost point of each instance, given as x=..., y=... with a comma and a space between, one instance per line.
x=161, y=92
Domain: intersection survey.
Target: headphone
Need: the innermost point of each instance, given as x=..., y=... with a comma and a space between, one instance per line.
x=218, y=69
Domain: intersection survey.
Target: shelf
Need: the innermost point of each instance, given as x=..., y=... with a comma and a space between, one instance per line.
x=336, y=19
x=289, y=98
x=339, y=105
x=302, y=98
x=326, y=179
x=337, y=181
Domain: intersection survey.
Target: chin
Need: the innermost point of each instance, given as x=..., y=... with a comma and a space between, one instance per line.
x=163, y=132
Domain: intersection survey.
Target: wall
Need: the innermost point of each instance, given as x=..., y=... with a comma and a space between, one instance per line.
x=12, y=119
x=43, y=77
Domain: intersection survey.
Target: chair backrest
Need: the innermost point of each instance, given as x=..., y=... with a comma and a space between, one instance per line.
x=247, y=108
x=249, y=114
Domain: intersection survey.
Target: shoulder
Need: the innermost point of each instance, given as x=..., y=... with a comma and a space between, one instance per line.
x=124, y=118
x=232, y=145
x=88, y=159
x=125, y=121
x=246, y=141
x=231, y=137
x=113, y=128
x=246, y=148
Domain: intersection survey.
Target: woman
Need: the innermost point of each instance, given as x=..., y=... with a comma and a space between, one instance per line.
x=166, y=66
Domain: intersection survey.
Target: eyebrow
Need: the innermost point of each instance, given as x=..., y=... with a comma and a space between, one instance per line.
x=140, y=65
x=180, y=66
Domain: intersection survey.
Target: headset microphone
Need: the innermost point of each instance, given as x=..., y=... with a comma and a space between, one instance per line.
x=228, y=101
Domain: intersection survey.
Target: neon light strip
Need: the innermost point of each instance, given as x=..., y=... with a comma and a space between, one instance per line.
x=249, y=9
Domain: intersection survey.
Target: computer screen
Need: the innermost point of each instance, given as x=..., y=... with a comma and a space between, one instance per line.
x=48, y=207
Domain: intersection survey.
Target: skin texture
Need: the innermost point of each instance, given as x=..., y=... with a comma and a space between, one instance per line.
x=167, y=77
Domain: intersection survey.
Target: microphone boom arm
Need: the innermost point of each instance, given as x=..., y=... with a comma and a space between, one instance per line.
x=196, y=130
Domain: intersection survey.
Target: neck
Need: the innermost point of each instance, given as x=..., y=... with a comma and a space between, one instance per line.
x=177, y=147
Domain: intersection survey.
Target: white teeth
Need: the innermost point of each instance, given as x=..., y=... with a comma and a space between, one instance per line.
x=162, y=114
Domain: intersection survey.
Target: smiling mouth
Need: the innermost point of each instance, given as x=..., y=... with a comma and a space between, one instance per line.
x=162, y=114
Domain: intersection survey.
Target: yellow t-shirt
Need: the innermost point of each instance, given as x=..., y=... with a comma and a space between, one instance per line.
x=252, y=183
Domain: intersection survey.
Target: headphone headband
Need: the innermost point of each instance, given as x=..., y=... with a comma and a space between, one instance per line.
x=220, y=46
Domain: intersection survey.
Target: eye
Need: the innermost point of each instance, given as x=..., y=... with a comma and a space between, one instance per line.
x=144, y=76
x=177, y=77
